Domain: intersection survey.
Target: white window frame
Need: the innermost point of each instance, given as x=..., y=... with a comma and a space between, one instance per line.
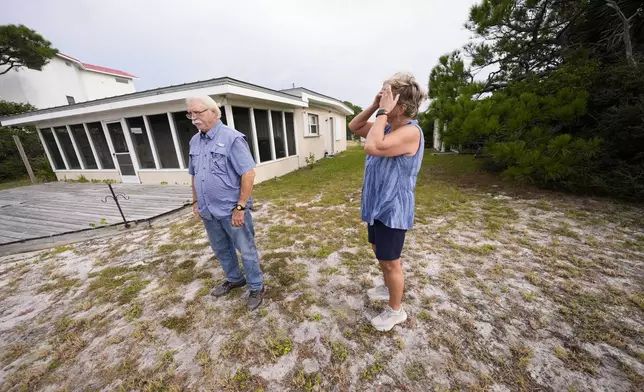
x=310, y=133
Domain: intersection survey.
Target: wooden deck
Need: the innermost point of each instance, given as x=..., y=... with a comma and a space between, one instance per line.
x=56, y=208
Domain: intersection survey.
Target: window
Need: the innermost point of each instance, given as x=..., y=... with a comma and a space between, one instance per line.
x=162, y=135
x=52, y=147
x=263, y=135
x=35, y=68
x=67, y=146
x=67, y=63
x=241, y=116
x=100, y=145
x=313, y=124
x=70, y=100
x=141, y=142
x=290, y=133
x=278, y=134
x=122, y=80
x=82, y=142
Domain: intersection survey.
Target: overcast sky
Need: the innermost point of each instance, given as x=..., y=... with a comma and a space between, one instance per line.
x=341, y=48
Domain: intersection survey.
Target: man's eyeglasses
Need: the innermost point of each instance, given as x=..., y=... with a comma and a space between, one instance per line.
x=192, y=115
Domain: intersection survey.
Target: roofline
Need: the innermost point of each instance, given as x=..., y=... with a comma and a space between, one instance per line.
x=84, y=68
x=311, y=93
x=297, y=101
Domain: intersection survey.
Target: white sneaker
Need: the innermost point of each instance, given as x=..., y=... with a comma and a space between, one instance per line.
x=378, y=293
x=388, y=319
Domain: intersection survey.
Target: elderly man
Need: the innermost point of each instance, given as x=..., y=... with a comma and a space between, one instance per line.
x=223, y=171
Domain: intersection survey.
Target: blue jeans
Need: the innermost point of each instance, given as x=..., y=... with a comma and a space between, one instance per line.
x=225, y=238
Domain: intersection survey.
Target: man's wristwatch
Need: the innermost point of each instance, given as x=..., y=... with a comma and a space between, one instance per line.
x=380, y=112
x=239, y=207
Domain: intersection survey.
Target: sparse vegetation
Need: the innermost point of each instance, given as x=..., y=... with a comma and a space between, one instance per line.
x=474, y=266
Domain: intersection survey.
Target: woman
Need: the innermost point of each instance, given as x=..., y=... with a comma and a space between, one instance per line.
x=395, y=147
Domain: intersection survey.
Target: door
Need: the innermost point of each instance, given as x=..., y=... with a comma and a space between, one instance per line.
x=331, y=142
x=122, y=152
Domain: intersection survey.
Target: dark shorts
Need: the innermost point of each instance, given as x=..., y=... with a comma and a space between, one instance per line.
x=389, y=242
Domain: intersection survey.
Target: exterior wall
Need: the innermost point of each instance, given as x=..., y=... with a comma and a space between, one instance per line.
x=269, y=170
x=99, y=175
x=263, y=171
x=51, y=86
x=99, y=85
x=320, y=144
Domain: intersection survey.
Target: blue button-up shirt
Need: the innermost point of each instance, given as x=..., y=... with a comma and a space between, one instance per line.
x=218, y=158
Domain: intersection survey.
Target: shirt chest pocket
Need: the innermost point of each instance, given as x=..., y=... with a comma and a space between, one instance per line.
x=194, y=159
x=218, y=160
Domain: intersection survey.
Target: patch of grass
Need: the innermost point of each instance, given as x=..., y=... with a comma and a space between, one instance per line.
x=15, y=183
x=578, y=359
x=117, y=284
x=203, y=358
x=133, y=312
x=565, y=230
x=317, y=317
x=61, y=283
x=306, y=382
x=279, y=346
x=424, y=315
x=374, y=369
x=286, y=273
x=14, y=351
x=339, y=351
x=528, y=295
x=234, y=346
x=327, y=271
x=415, y=371
x=242, y=381
x=178, y=324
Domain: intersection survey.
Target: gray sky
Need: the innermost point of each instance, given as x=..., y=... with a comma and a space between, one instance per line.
x=341, y=48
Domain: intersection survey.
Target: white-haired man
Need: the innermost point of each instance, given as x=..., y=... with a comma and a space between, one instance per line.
x=223, y=171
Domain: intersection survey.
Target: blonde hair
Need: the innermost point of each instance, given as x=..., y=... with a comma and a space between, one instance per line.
x=208, y=102
x=412, y=95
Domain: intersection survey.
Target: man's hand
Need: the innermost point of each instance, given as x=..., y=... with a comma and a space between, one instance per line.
x=195, y=210
x=238, y=218
x=387, y=100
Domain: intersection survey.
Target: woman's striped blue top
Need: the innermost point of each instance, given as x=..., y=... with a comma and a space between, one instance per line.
x=388, y=187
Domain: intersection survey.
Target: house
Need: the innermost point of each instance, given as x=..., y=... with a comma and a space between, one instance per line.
x=143, y=137
x=63, y=81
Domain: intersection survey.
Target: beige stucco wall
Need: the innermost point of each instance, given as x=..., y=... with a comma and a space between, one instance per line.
x=320, y=144
x=99, y=175
x=263, y=172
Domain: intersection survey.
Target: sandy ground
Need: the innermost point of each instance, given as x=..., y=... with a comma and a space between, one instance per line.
x=503, y=294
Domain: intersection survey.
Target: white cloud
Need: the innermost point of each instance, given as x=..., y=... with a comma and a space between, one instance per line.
x=339, y=48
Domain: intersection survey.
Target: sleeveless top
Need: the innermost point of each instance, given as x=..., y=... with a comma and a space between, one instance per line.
x=388, y=187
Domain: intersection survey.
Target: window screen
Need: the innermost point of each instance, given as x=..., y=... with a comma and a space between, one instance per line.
x=68, y=147
x=83, y=146
x=100, y=145
x=141, y=142
x=278, y=134
x=162, y=135
x=185, y=132
x=241, y=116
x=263, y=135
x=290, y=133
x=52, y=147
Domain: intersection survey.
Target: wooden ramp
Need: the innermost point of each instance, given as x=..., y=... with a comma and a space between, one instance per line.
x=55, y=208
